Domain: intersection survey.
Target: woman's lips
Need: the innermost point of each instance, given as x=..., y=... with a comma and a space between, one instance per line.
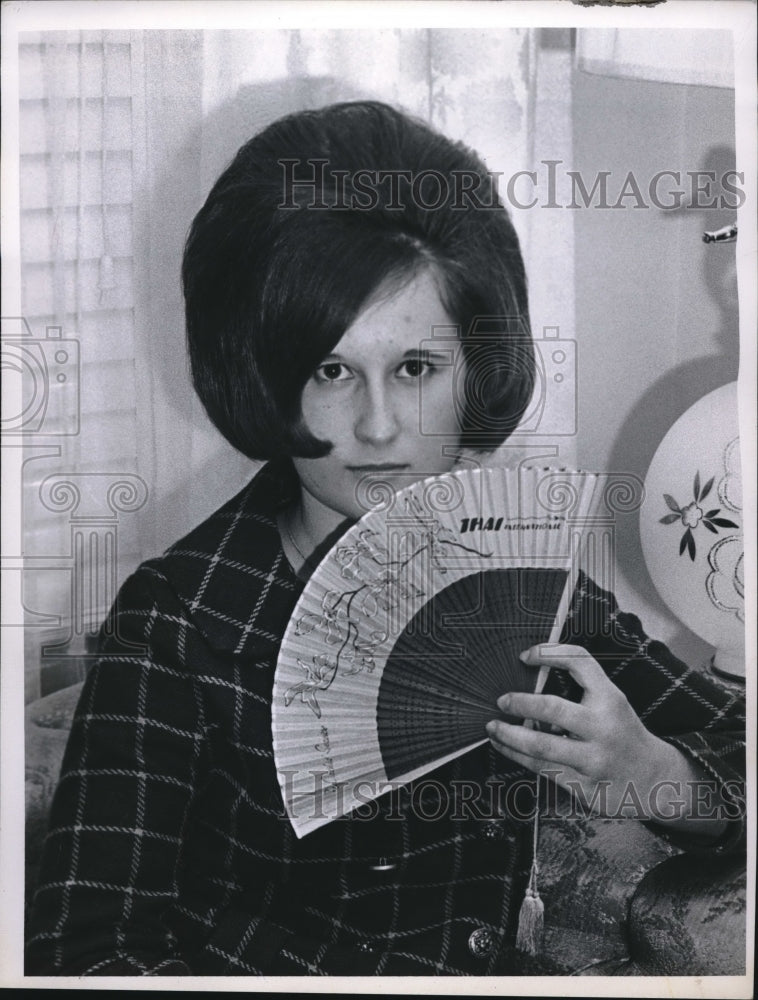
x=388, y=467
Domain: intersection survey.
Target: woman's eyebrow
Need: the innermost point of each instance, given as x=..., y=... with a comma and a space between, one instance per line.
x=425, y=353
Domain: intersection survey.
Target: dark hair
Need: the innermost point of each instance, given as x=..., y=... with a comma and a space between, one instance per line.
x=293, y=241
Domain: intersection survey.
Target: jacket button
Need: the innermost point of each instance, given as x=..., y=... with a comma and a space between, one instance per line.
x=481, y=942
x=383, y=865
x=493, y=830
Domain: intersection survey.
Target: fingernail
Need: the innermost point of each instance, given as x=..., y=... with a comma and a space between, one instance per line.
x=524, y=655
x=504, y=701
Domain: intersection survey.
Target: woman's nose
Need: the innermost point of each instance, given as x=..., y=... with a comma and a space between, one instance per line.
x=377, y=420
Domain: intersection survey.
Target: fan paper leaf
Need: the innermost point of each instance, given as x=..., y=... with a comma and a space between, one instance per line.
x=430, y=628
x=710, y=527
x=670, y=518
x=310, y=699
x=683, y=543
x=369, y=604
x=308, y=623
x=723, y=522
x=696, y=486
x=671, y=502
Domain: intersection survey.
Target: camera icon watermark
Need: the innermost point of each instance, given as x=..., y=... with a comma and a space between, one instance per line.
x=500, y=352
x=41, y=381
x=552, y=410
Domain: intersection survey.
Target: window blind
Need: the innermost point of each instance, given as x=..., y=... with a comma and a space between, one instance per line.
x=81, y=484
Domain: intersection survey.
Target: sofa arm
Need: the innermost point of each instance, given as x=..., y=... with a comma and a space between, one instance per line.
x=688, y=918
x=46, y=728
x=589, y=870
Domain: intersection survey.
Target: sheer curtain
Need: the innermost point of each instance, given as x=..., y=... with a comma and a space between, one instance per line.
x=132, y=129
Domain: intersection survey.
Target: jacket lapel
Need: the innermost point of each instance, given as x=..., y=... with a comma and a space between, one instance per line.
x=231, y=573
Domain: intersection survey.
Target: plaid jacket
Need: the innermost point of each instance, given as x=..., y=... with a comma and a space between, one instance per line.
x=169, y=851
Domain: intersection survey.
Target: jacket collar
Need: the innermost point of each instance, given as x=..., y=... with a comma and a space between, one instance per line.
x=231, y=574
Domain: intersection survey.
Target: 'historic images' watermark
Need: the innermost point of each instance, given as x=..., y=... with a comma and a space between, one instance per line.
x=362, y=190
x=431, y=799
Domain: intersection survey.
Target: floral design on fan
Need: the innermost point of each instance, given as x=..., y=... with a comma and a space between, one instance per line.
x=436, y=534
x=692, y=515
x=350, y=558
x=381, y=587
x=318, y=676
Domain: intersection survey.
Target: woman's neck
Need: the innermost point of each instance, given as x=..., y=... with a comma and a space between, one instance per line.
x=315, y=520
x=306, y=525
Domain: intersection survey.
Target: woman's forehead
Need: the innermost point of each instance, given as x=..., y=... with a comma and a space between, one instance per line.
x=400, y=317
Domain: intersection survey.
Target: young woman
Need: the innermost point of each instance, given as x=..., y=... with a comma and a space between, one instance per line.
x=314, y=277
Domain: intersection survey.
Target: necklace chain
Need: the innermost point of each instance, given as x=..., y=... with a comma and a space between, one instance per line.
x=292, y=539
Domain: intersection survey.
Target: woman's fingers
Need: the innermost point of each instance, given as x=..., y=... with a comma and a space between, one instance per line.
x=561, y=774
x=577, y=719
x=583, y=667
x=575, y=659
x=550, y=709
x=545, y=749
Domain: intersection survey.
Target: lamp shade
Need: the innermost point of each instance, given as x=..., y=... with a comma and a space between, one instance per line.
x=691, y=525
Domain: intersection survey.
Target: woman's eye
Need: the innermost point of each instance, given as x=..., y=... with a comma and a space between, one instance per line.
x=333, y=371
x=414, y=368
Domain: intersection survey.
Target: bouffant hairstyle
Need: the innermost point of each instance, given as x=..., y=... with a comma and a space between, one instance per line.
x=314, y=216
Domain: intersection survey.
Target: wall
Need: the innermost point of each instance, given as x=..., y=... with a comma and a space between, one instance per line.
x=656, y=310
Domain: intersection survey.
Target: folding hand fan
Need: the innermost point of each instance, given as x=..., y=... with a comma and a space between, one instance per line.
x=411, y=628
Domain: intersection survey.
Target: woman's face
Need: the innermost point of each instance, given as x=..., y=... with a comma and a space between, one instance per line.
x=366, y=398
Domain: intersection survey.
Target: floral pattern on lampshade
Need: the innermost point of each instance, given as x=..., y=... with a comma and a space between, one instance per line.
x=691, y=525
x=726, y=581
x=693, y=515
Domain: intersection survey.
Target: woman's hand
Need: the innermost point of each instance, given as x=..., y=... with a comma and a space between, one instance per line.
x=601, y=751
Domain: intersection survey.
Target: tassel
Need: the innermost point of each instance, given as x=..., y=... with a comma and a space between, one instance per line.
x=531, y=918
x=531, y=924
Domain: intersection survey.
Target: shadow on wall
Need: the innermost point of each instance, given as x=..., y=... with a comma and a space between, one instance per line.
x=679, y=388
